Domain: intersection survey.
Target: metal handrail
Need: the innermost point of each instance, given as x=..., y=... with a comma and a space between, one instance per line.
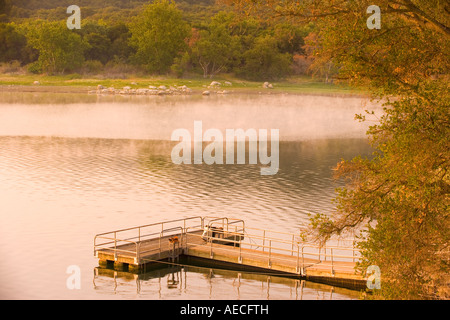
x=304, y=245
x=285, y=241
x=284, y=233
x=235, y=221
x=139, y=236
x=271, y=242
x=115, y=249
x=269, y=255
x=153, y=224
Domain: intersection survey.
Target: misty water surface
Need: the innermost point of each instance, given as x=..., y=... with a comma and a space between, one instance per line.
x=72, y=166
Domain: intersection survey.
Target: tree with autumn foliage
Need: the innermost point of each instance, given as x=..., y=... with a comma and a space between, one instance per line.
x=399, y=199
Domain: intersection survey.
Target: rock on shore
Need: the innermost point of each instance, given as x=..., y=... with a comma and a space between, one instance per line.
x=267, y=85
x=160, y=90
x=151, y=90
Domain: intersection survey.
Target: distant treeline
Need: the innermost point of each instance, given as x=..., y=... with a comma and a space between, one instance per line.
x=119, y=37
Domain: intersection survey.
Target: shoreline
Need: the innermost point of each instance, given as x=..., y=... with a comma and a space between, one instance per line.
x=67, y=89
x=192, y=86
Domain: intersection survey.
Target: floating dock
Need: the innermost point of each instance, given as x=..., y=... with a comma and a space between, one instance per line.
x=229, y=243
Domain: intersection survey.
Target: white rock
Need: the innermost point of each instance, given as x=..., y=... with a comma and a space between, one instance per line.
x=162, y=87
x=228, y=83
x=206, y=93
x=36, y=83
x=126, y=88
x=142, y=91
x=215, y=83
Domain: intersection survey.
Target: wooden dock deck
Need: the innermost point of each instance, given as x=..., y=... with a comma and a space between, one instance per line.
x=228, y=242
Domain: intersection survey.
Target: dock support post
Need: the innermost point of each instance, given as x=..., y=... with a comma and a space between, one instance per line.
x=159, y=254
x=210, y=249
x=115, y=247
x=240, y=251
x=353, y=251
x=292, y=247
x=264, y=240
x=303, y=259
x=332, y=270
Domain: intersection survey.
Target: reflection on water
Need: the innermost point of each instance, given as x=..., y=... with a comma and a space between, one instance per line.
x=70, y=171
x=191, y=282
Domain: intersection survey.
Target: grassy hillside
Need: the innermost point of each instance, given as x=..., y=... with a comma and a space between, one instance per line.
x=18, y=10
x=216, y=43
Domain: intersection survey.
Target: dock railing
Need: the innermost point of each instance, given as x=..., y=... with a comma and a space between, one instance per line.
x=264, y=244
x=115, y=241
x=282, y=246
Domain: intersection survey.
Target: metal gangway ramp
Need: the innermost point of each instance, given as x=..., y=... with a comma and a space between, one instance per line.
x=224, y=241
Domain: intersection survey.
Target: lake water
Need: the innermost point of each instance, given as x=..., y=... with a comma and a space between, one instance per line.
x=74, y=165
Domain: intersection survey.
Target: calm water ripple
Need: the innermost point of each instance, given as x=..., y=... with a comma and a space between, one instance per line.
x=70, y=171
